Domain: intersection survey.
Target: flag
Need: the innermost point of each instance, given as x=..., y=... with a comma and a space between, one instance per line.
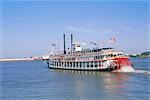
x=84, y=43
x=93, y=43
x=53, y=44
x=112, y=40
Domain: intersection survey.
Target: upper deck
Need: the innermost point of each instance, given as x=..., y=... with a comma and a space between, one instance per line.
x=86, y=55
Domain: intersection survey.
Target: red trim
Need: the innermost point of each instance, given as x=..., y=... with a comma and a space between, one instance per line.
x=121, y=58
x=121, y=62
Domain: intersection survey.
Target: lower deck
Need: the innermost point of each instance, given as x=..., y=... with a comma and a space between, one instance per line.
x=92, y=65
x=83, y=69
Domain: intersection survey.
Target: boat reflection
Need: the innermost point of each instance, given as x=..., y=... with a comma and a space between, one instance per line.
x=112, y=75
x=102, y=82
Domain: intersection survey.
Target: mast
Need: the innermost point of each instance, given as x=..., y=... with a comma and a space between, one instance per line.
x=71, y=42
x=64, y=45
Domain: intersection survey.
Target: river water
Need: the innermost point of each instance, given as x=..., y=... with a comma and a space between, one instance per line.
x=32, y=80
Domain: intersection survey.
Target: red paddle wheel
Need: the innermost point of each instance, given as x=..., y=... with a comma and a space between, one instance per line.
x=121, y=62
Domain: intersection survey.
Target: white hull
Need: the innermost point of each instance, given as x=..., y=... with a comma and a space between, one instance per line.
x=99, y=65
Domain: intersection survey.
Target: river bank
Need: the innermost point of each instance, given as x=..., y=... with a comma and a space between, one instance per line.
x=20, y=59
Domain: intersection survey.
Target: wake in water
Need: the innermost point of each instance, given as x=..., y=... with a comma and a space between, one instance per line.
x=125, y=69
x=132, y=70
x=142, y=71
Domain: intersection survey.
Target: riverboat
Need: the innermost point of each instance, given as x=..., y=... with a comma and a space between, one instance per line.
x=97, y=59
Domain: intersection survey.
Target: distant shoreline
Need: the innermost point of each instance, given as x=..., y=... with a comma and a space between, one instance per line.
x=19, y=59
x=140, y=56
x=33, y=59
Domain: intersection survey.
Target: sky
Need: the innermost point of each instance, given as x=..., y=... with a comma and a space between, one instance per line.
x=28, y=28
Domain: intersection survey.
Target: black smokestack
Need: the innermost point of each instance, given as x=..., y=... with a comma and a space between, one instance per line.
x=71, y=42
x=64, y=45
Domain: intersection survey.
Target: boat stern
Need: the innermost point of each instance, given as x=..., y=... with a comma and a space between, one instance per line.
x=122, y=64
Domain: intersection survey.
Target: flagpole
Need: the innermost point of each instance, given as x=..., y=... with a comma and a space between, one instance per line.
x=52, y=50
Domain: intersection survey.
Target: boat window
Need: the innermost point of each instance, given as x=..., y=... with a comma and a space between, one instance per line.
x=73, y=64
x=91, y=64
x=99, y=63
x=95, y=64
x=67, y=64
x=70, y=64
x=55, y=63
x=76, y=64
x=87, y=64
x=83, y=64
x=80, y=64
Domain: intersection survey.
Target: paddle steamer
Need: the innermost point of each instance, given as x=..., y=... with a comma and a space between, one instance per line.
x=98, y=59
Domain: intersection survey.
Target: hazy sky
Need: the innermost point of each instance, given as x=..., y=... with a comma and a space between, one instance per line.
x=29, y=28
